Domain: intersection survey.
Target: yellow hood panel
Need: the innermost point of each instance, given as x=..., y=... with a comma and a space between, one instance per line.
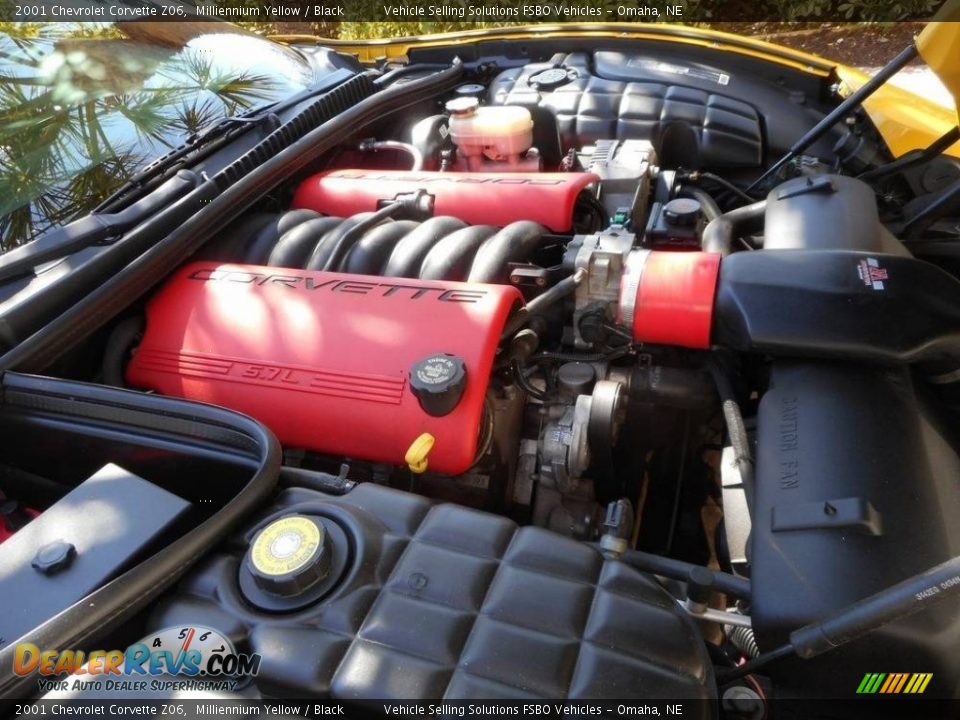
x=939, y=46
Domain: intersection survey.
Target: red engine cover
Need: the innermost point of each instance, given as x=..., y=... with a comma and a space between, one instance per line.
x=323, y=359
x=476, y=198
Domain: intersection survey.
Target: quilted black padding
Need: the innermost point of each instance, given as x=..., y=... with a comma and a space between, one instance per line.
x=688, y=126
x=448, y=602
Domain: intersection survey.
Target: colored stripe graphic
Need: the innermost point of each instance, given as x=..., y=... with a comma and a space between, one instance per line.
x=894, y=683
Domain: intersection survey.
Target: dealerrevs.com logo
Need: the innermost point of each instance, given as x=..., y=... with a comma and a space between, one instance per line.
x=178, y=658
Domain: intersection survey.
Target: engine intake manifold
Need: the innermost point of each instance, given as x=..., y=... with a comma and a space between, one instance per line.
x=440, y=248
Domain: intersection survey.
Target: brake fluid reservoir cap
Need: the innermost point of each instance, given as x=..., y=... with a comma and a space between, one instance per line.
x=290, y=555
x=682, y=211
x=438, y=382
x=463, y=106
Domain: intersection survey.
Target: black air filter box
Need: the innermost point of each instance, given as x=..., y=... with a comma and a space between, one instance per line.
x=857, y=488
x=826, y=212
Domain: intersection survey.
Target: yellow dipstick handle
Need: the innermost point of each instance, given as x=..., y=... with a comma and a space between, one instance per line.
x=416, y=456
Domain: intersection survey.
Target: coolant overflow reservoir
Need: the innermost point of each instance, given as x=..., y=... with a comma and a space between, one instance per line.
x=497, y=132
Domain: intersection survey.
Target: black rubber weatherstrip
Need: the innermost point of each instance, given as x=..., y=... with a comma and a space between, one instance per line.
x=246, y=180
x=120, y=599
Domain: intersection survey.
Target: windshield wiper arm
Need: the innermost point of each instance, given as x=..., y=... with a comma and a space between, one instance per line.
x=220, y=130
x=223, y=130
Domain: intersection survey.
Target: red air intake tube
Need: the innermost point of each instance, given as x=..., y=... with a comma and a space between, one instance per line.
x=666, y=298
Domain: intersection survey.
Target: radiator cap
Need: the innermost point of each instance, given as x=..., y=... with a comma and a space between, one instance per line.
x=290, y=555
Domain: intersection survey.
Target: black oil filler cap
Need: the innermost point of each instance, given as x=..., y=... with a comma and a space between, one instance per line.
x=290, y=555
x=438, y=382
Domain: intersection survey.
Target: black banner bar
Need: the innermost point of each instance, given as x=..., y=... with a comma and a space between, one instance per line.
x=200, y=709
x=471, y=13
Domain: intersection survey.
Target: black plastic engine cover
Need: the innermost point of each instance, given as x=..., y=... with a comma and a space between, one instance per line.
x=690, y=126
x=442, y=601
x=857, y=488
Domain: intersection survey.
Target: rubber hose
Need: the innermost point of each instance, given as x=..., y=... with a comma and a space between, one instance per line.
x=719, y=234
x=408, y=255
x=515, y=243
x=680, y=570
x=727, y=185
x=295, y=246
x=373, y=250
x=259, y=250
x=450, y=258
x=391, y=76
x=314, y=480
x=325, y=246
x=117, y=351
x=346, y=240
x=709, y=206
x=544, y=301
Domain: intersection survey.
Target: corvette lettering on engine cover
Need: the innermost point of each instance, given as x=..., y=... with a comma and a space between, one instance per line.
x=324, y=359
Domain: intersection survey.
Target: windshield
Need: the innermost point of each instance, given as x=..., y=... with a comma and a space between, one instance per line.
x=80, y=115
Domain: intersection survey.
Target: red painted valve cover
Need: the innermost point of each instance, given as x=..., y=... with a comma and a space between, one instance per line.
x=476, y=198
x=323, y=359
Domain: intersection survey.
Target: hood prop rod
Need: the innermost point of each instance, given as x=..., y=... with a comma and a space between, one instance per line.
x=822, y=127
x=849, y=623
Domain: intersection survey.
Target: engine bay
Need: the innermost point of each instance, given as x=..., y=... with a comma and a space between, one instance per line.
x=568, y=405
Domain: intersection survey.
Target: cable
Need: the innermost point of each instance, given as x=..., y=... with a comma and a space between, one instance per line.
x=736, y=429
x=762, y=660
x=412, y=150
x=582, y=357
x=486, y=432
x=390, y=76
x=524, y=383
